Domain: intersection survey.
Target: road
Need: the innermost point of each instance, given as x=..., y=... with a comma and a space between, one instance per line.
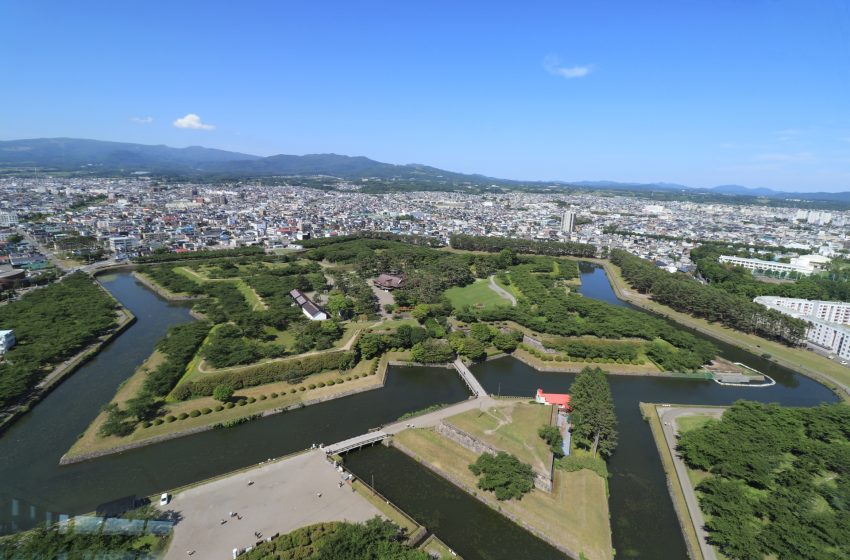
x=283, y=497
x=501, y=291
x=668, y=416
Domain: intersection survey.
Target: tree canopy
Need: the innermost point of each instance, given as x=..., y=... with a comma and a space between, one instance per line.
x=593, y=417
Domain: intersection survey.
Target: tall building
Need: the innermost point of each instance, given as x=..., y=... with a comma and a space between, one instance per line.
x=568, y=221
x=827, y=320
x=8, y=219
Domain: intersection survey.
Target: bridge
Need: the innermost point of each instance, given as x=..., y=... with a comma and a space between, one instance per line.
x=469, y=379
x=355, y=442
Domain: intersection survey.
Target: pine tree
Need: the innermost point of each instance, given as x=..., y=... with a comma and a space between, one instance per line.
x=594, y=421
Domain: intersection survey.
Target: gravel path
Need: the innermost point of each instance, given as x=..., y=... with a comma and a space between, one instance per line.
x=501, y=291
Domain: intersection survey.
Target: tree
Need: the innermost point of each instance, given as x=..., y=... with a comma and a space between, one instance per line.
x=339, y=306
x=594, y=421
x=552, y=436
x=432, y=351
x=503, y=474
x=481, y=332
x=223, y=393
x=473, y=349
x=421, y=312
x=505, y=342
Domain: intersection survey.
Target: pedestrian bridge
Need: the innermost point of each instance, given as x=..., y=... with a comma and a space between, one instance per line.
x=355, y=443
x=469, y=379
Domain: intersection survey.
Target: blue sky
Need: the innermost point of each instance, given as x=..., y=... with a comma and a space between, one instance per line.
x=753, y=92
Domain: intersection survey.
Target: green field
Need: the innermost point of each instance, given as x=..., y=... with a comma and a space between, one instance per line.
x=477, y=295
x=511, y=428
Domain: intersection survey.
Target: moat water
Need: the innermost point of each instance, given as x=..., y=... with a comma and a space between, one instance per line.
x=34, y=488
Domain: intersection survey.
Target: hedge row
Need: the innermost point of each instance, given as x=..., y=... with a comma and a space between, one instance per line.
x=565, y=358
x=270, y=372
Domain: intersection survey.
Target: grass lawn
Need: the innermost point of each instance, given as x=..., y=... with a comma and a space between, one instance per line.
x=507, y=287
x=808, y=363
x=511, y=428
x=477, y=295
x=90, y=442
x=574, y=515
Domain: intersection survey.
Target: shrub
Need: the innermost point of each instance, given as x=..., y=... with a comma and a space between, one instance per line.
x=251, y=400
x=262, y=397
x=274, y=395
x=331, y=382
x=229, y=405
x=293, y=390
x=348, y=378
x=222, y=393
x=157, y=421
x=182, y=416
x=170, y=418
x=146, y=424
x=195, y=413
x=241, y=402
x=218, y=408
x=302, y=388
x=206, y=410
x=341, y=380
x=321, y=383
x=311, y=386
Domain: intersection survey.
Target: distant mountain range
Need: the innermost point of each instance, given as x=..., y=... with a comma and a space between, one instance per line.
x=104, y=158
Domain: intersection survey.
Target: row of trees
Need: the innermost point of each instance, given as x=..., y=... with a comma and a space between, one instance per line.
x=685, y=294
x=738, y=280
x=531, y=246
x=51, y=324
x=376, y=539
x=779, y=485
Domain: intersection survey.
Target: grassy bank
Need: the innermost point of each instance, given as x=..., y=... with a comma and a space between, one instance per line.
x=834, y=375
x=267, y=399
x=574, y=517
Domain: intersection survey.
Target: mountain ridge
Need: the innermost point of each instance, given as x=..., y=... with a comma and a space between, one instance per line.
x=104, y=157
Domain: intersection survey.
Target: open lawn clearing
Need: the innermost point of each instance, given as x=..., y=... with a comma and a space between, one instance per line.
x=90, y=442
x=511, y=428
x=574, y=516
x=477, y=295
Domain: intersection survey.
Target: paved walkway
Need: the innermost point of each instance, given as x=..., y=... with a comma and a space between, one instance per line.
x=668, y=416
x=282, y=498
x=501, y=291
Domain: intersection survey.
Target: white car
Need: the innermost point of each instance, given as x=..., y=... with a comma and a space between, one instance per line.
x=163, y=500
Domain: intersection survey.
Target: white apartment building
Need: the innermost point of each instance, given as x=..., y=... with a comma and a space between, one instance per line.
x=828, y=320
x=804, y=265
x=8, y=219
x=568, y=221
x=7, y=340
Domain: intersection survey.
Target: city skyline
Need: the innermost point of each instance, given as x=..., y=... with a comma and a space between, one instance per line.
x=703, y=95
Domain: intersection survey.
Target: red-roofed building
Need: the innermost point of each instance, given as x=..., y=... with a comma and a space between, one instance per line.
x=562, y=401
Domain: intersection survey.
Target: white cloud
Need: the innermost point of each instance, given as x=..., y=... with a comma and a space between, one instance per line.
x=193, y=121
x=141, y=120
x=552, y=64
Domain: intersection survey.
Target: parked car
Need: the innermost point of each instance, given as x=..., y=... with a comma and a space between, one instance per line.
x=164, y=499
